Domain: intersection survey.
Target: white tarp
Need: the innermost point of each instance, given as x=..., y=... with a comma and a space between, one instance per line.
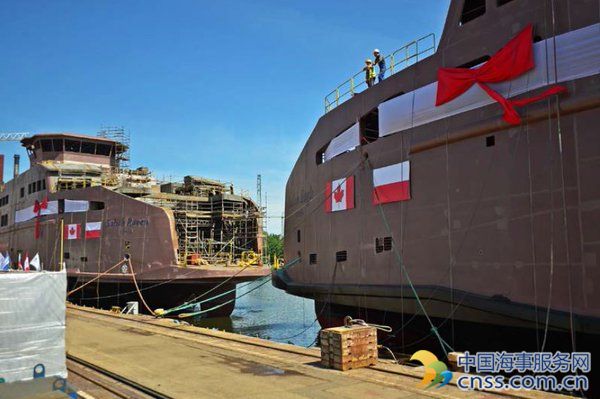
x=578, y=55
x=32, y=320
x=347, y=141
x=26, y=214
x=76, y=206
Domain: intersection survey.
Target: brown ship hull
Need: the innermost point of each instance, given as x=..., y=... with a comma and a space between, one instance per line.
x=500, y=234
x=157, y=295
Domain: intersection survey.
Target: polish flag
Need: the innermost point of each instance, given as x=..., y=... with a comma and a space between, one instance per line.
x=26, y=263
x=339, y=194
x=391, y=183
x=93, y=230
x=72, y=231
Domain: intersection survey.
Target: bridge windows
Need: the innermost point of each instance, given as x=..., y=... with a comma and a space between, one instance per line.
x=471, y=10
x=88, y=147
x=4, y=220
x=57, y=145
x=72, y=145
x=4, y=201
x=312, y=259
x=46, y=145
x=103, y=149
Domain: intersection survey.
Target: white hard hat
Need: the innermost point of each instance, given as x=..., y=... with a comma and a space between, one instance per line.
x=368, y=61
x=376, y=50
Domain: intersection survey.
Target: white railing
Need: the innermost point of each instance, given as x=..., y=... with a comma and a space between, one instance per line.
x=403, y=57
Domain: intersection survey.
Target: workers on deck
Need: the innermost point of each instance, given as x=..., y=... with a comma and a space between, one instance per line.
x=369, y=72
x=380, y=62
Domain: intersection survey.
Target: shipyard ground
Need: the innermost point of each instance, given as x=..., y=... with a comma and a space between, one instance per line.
x=181, y=361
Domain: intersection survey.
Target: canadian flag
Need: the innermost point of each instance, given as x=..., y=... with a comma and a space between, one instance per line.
x=72, y=231
x=391, y=183
x=339, y=194
x=93, y=230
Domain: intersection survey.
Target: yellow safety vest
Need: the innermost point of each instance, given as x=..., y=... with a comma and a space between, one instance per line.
x=371, y=72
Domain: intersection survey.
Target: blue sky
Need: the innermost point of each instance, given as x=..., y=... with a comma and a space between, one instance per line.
x=223, y=89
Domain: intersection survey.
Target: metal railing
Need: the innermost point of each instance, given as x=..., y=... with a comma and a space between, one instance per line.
x=398, y=60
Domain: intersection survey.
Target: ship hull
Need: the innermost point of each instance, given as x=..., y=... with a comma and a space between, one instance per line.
x=160, y=294
x=496, y=239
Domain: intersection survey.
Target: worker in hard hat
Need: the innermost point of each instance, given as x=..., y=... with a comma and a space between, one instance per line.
x=380, y=62
x=369, y=72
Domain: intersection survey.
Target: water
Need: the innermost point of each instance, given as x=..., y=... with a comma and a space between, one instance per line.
x=269, y=313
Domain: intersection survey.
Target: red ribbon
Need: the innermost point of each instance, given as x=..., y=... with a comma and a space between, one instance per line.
x=37, y=209
x=510, y=61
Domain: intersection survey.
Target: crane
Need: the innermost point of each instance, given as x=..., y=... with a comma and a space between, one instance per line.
x=13, y=136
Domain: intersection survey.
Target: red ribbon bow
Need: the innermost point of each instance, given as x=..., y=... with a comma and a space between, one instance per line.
x=510, y=61
x=37, y=209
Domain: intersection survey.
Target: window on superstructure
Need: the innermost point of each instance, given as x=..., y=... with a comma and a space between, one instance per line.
x=502, y=2
x=383, y=244
x=96, y=205
x=341, y=256
x=471, y=10
x=312, y=259
x=72, y=145
x=38, y=185
x=298, y=235
x=29, y=188
x=88, y=147
x=46, y=145
x=4, y=220
x=43, y=184
x=57, y=145
x=22, y=191
x=103, y=149
x=320, y=156
x=475, y=62
x=369, y=127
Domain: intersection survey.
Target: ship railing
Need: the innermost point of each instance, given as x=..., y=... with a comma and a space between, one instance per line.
x=398, y=60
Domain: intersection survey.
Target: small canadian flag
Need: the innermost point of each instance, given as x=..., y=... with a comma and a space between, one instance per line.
x=72, y=231
x=93, y=230
x=339, y=194
x=391, y=183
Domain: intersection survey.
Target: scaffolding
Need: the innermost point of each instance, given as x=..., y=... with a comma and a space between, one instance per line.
x=122, y=139
x=213, y=225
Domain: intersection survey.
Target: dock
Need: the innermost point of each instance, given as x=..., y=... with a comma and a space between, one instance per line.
x=165, y=358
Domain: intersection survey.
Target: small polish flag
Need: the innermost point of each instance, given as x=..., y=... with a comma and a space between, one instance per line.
x=391, y=183
x=72, y=231
x=93, y=230
x=26, y=263
x=339, y=194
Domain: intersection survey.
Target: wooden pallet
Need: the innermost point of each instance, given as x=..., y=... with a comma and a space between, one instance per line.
x=346, y=348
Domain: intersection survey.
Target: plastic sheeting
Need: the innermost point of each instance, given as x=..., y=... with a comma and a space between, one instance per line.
x=577, y=56
x=76, y=206
x=32, y=324
x=347, y=141
x=26, y=214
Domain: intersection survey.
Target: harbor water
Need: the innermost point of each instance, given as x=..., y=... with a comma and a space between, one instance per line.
x=269, y=313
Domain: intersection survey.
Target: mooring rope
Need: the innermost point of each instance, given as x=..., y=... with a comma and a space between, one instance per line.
x=433, y=329
x=96, y=278
x=138, y=288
